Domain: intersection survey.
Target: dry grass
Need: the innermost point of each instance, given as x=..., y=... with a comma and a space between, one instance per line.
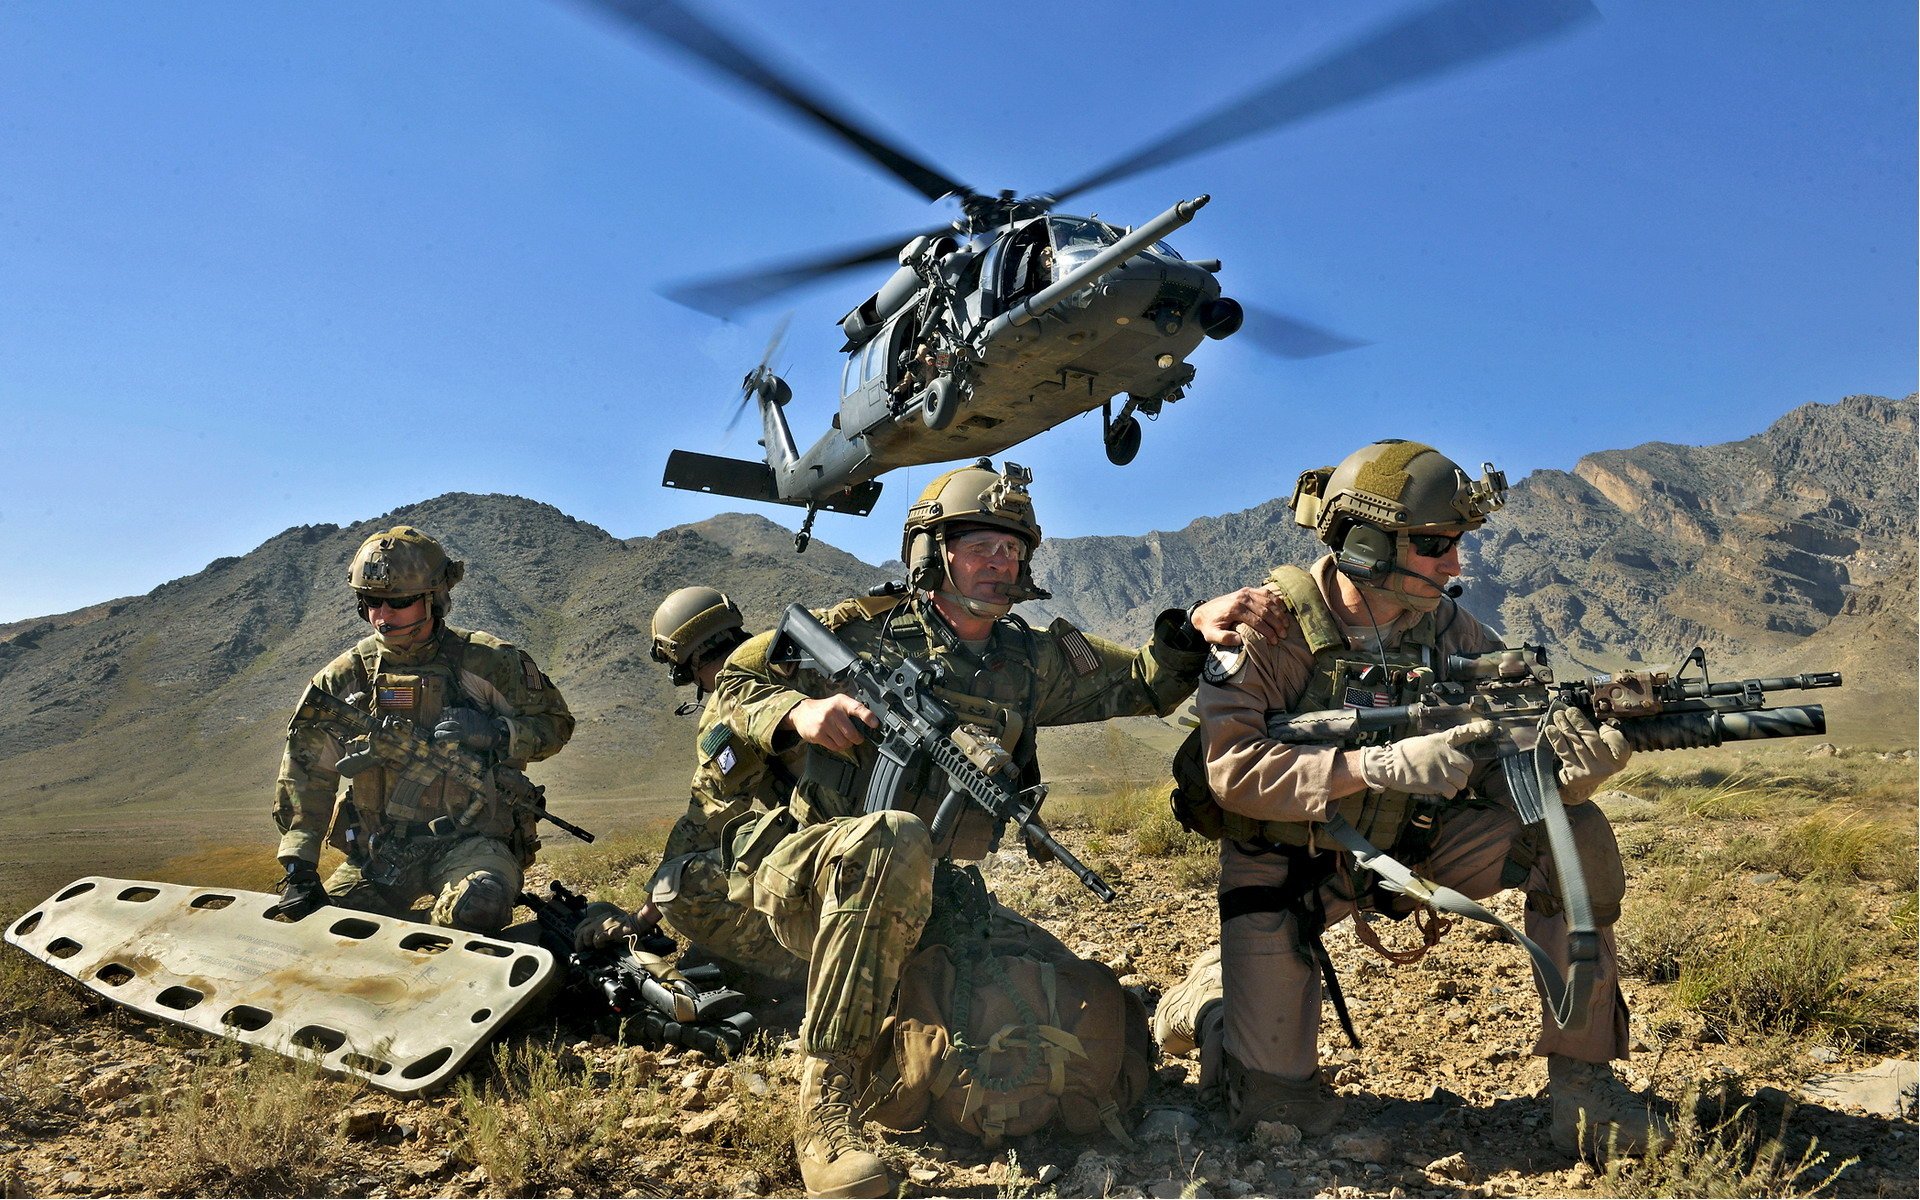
x=1729, y=1158
x=255, y=1126
x=1814, y=951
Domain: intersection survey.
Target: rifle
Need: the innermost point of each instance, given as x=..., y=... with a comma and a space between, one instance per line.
x=415, y=761
x=1513, y=687
x=642, y=986
x=917, y=729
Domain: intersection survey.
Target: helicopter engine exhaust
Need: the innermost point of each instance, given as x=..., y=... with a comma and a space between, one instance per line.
x=1221, y=318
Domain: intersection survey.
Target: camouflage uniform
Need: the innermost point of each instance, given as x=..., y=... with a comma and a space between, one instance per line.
x=730, y=780
x=475, y=874
x=851, y=893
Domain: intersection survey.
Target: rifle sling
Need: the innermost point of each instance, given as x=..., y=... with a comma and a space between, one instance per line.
x=1568, y=997
x=1306, y=871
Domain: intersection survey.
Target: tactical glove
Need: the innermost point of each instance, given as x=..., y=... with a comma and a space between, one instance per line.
x=1431, y=764
x=1588, y=753
x=603, y=924
x=301, y=892
x=472, y=729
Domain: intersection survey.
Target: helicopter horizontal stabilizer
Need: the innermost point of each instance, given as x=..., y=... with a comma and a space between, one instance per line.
x=745, y=480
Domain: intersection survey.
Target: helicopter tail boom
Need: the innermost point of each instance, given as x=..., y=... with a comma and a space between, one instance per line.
x=747, y=480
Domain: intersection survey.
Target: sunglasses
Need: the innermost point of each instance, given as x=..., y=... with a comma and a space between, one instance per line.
x=396, y=603
x=1433, y=545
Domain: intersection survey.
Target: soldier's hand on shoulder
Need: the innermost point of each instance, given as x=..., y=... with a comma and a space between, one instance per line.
x=831, y=722
x=1257, y=608
x=471, y=728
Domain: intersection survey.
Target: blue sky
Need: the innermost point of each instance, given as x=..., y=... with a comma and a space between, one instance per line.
x=265, y=265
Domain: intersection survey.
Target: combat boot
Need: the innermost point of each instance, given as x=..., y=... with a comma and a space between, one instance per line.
x=1593, y=1110
x=833, y=1153
x=1254, y=1097
x=1178, y=1021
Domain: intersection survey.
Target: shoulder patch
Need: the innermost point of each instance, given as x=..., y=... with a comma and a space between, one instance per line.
x=530, y=674
x=714, y=739
x=1222, y=663
x=1079, y=650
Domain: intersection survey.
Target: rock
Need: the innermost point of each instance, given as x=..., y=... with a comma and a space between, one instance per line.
x=1763, y=878
x=1094, y=1174
x=1361, y=1146
x=694, y=1101
x=1888, y=1090
x=1454, y=1167
x=1121, y=963
x=751, y=1083
x=114, y=1083
x=1048, y=1173
x=693, y=1080
x=703, y=1127
x=364, y=1123
x=923, y=1174
x=1824, y=1054
x=1167, y=1125
x=753, y=1183
x=1275, y=1134
x=1824, y=750
x=1176, y=1189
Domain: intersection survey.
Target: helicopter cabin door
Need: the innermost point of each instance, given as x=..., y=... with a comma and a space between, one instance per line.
x=881, y=377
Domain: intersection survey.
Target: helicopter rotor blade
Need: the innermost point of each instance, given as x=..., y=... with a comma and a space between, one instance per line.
x=678, y=25
x=723, y=295
x=1444, y=37
x=1290, y=337
x=759, y=372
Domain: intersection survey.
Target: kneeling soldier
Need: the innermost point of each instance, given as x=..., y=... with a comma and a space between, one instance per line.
x=470, y=690
x=1371, y=622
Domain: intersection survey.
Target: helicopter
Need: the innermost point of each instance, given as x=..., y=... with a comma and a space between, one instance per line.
x=1016, y=317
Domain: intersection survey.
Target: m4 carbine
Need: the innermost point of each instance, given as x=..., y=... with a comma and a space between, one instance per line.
x=415, y=761
x=639, y=983
x=1655, y=709
x=916, y=729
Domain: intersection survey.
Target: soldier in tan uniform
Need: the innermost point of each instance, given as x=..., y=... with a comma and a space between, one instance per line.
x=1369, y=621
x=470, y=689
x=850, y=893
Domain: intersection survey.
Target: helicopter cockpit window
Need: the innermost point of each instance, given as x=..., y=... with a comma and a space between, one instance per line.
x=1076, y=233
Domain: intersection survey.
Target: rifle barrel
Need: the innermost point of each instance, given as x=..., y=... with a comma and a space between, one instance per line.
x=1684, y=731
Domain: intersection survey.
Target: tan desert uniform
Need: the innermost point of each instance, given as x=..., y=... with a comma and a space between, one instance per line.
x=851, y=893
x=475, y=873
x=1271, y=986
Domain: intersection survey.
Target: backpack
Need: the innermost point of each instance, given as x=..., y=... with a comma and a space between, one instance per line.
x=990, y=1040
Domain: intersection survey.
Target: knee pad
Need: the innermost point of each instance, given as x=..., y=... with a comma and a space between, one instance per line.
x=477, y=903
x=1600, y=862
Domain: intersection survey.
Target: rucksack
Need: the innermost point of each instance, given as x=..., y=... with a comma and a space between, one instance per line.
x=991, y=1040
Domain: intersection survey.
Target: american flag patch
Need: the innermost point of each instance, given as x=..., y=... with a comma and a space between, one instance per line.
x=1359, y=697
x=394, y=697
x=1079, y=653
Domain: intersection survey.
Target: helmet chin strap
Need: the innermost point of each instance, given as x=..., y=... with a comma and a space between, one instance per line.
x=1421, y=604
x=988, y=609
x=387, y=631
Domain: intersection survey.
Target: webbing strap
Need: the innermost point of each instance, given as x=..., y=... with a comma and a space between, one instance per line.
x=1568, y=1002
x=1305, y=873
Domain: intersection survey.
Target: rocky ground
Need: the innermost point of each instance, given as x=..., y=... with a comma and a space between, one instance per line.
x=1442, y=1101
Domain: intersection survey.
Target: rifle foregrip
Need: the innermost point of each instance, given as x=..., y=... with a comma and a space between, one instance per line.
x=1686, y=731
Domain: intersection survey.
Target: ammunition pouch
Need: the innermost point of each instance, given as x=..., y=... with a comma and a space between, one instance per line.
x=1380, y=816
x=751, y=836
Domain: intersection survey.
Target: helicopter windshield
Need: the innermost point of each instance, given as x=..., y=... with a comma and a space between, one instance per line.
x=1080, y=233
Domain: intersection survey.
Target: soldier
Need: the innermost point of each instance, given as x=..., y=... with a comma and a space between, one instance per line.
x=694, y=630
x=1367, y=617
x=472, y=690
x=851, y=893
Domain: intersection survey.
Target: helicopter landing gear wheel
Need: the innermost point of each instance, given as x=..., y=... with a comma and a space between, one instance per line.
x=1123, y=441
x=939, y=403
x=805, y=536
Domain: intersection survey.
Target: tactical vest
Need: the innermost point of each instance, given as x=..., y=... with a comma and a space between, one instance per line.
x=419, y=692
x=998, y=690
x=1341, y=677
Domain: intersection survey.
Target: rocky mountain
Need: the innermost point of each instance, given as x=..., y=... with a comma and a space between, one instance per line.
x=160, y=716
x=1747, y=548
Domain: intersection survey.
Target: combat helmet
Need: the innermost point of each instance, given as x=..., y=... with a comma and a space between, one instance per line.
x=962, y=500
x=693, y=624
x=404, y=562
x=1363, y=507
